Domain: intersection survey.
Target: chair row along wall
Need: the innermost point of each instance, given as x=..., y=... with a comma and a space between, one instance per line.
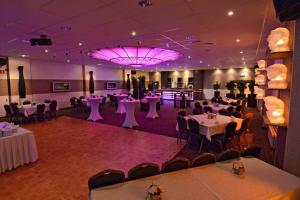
x=39, y=76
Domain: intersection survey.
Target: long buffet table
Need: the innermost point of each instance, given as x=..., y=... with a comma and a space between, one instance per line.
x=214, y=181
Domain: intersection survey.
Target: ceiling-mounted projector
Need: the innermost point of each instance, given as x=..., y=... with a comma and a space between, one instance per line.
x=145, y=3
x=42, y=41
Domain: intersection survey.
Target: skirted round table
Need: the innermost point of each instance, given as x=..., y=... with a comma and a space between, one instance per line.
x=120, y=108
x=152, y=100
x=130, y=106
x=94, y=104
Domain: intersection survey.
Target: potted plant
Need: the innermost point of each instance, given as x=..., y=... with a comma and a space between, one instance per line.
x=251, y=99
x=241, y=86
x=230, y=86
x=135, y=87
x=142, y=86
x=216, y=87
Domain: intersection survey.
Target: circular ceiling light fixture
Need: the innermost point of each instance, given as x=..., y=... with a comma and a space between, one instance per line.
x=135, y=56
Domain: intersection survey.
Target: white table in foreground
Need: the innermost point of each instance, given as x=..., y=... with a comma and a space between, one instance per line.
x=94, y=103
x=152, y=100
x=17, y=149
x=130, y=106
x=121, y=108
x=215, y=181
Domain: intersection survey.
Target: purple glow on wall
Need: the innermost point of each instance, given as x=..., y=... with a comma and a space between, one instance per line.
x=136, y=56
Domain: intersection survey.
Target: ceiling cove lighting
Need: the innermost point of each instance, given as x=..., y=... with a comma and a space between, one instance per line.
x=135, y=56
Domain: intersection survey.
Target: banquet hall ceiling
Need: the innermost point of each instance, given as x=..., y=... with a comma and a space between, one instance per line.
x=200, y=30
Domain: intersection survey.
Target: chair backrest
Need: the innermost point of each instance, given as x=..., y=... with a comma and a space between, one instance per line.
x=245, y=124
x=181, y=113
x=203, y=159
x=79, y=102
x=213, y=100
x=47, y=101
x=197, y=105
x=104, y=100
x=106, y=177
x=15, y=109
x=193, y=126
x=238, y=102
x=228, y=155
x=230, y=109
x=175, y=164
x=253, y=150
x=81, y=97
x=204, y=103
x=53, y=105
x=73, y=101
x=236, y=114
x=197, y=111
x=8, y=109
x=40, y=108
x=26, y=102
x=207, y=109
x=230, y=130
x=238, y=108
x=223, y=112
x=233, y=104
x=143, y=170
x=182, y=124
x=225, y=103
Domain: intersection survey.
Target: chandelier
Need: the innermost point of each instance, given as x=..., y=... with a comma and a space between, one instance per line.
x=135, y=56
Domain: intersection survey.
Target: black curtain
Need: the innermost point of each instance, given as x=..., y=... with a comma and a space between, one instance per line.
x=128, y=84
x=22, y=87
x=91, y=83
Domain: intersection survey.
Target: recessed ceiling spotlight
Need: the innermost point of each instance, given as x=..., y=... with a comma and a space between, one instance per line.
x=68, y=61
x=80, y=44
x=208, y=65
x=46, y=50
x=133, y=33
x=200, y=61
x=99, y=64
x=241, y=52
x=230, y=13
x=168, y=64
x=243, y=58
x=189, y=57
x=238, y=40
x=24, y=56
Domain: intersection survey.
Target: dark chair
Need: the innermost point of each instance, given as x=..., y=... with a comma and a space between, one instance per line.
x=223, y=112
x=143, y=170
x=236, y=114
x=81, y=97
x=213, y=100
x=243, y=130
x=220, y=100
x=53, y=109
x=17, y=116
x=194, y=130
x=80, y=106
x=197, y=105
x=233, y=104
x=73, y=103
x=228, y=155
x=229, y=133
x=26, y=102
x=238, y=108
x=204, y=159
x=207, y=109
x=103, y=102
x=182, y=127
x=205, y=103
x=40, y=112
x=47, y=101
x=230, y=109
x=197, y=111
x=181, y=113
x=175, y=164
x=106, y=177
x=158, y=106
x=224, y=103
x=9, y=113
x=253, y=150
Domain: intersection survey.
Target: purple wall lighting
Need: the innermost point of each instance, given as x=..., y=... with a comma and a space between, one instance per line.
x=136, y=56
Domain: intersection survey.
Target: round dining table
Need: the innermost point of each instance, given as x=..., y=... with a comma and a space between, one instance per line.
x=120, y=108
x=152, y=100
x=94, y=104
x=130, y=106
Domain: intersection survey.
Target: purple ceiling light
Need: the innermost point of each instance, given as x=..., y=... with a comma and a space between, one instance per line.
x=135, y=56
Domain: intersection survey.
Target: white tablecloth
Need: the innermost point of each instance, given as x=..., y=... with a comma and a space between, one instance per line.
x=30, y=109
x=94, y=104
x=210, y=127
x=130, y=106
x=121, y=108
x=152, y=113
x=216, y=109
x=210, y=182
x=17, y=149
